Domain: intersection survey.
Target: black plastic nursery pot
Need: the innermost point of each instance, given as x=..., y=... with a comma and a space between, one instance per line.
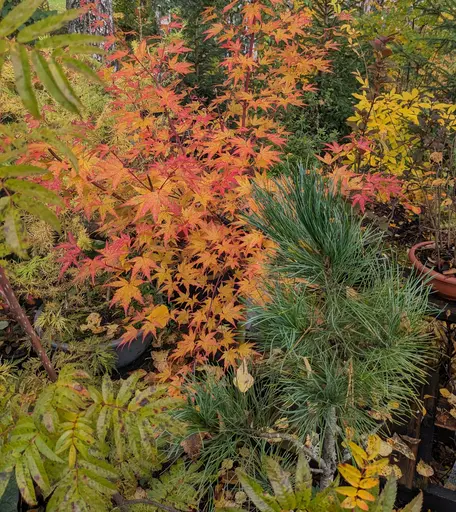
x=127, y=353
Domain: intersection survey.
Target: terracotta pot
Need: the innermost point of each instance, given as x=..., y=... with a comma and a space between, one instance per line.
x=445, y=286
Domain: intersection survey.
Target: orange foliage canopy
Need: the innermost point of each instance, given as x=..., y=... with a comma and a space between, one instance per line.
x=169, y=185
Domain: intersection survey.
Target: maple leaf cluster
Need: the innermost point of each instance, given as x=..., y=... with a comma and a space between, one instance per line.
x=362, y=188
x=169, y=183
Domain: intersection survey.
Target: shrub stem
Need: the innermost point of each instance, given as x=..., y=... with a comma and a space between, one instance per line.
x=21, y=318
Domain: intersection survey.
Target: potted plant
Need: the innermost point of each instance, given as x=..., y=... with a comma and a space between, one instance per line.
x=342, y=330
x=435, y=177
x=90, y=328
x=74, y=316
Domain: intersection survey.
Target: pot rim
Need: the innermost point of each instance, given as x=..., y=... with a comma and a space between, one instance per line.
x=426, y=270
x=112, y=344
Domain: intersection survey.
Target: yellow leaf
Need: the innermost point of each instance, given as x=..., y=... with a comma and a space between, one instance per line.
x=373, y=446
x=349, y=502
x=364, y=495
x=424, y=469
x=362, y=505
x=385, y=449
x=358, y=453
x=368, y=483
x=444, y=392
x=72, y=457
x=159, y=316
x=347, y=491
x=375, y=468
x=243, y=380
x=350, y=474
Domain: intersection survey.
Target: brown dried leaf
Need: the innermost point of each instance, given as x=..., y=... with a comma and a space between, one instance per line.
x=193, y=444
x=385, y=449
x=160, y=359
x=424, y=469
x=400, y=446
x=243, y=380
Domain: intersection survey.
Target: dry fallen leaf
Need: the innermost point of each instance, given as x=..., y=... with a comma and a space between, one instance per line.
x=93, y=324
x=424, y=469
x=193, y=444
x=351, y=293
x=240, y=497
x=160, y=359
x=282, y=424
x=437, y=157
x=243, y=380
x=400, y=446
x=385, y=449
x=392, y=470
x=449, y=396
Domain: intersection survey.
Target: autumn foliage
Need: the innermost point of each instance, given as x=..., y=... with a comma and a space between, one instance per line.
x=167, y=182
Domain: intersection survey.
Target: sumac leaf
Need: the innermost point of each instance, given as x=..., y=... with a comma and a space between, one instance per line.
x=49, y=24
x=18, y=16
x=23, y=79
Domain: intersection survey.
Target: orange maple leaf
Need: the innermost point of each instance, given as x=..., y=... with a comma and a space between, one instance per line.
x=266, y=157
x=126, y=292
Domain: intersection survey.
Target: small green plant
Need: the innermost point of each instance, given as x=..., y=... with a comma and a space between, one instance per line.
x=297, y=494
x=228, y=422
x=177, y=487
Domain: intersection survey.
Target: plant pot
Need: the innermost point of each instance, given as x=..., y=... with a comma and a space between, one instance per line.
x=126, y=354
x=445, y=286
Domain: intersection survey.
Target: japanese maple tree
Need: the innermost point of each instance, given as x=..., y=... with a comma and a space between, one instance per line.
x=168, y=182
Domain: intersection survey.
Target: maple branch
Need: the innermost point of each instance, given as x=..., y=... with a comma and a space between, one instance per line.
x=166, y=110
x=131, y=172
x=247, y=80
x=114, y=194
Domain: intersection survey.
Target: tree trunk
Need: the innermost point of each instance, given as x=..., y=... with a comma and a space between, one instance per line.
x=329, y=451
x=98, y=21
x=24, y=322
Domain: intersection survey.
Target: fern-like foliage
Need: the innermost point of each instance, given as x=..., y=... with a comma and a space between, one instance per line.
x=177, y=487
x=69, y=444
